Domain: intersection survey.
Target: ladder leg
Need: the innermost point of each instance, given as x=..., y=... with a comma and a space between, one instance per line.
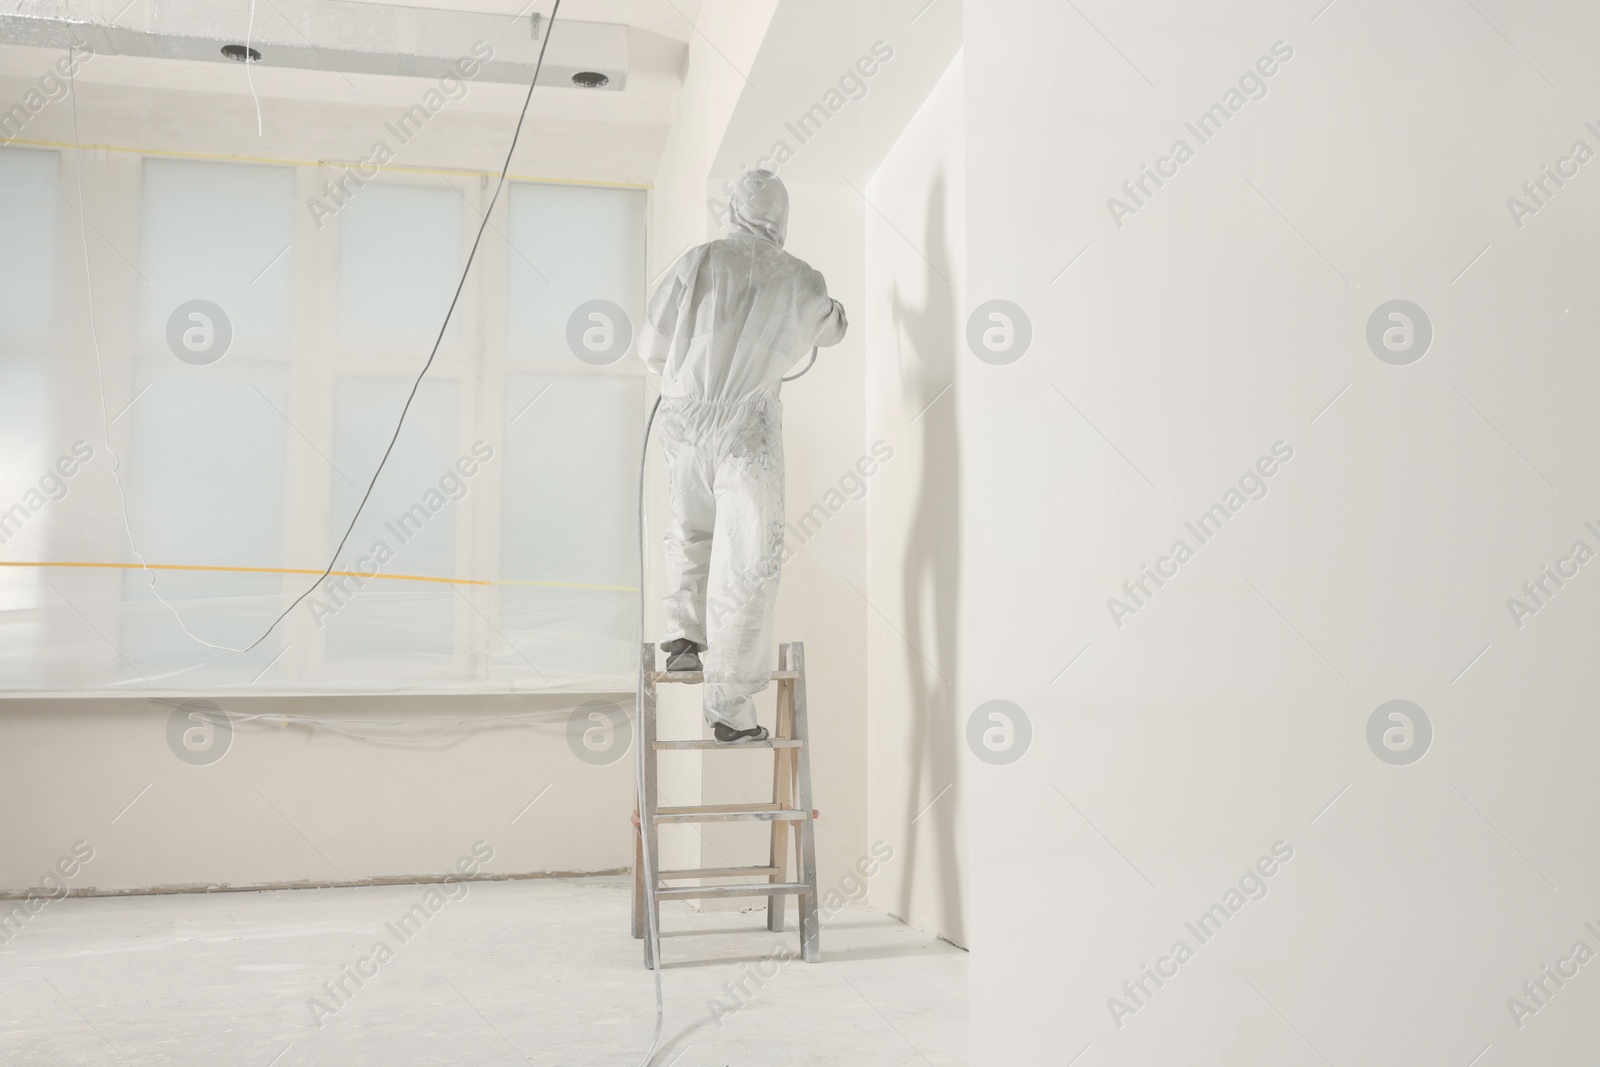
x=782, y=795
x=810, y=926
x=650, y=856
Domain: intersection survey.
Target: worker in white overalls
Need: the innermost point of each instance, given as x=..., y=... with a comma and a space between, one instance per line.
x=730, y=318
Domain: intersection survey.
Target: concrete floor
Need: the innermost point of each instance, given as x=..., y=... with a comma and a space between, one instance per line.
x=539, y=972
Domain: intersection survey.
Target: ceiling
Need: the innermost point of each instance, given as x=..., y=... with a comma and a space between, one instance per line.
x=811, y=49
x=657, y=50
x=209, y=107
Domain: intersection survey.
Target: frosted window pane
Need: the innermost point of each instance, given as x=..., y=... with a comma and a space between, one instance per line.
x=400, y=260
x=569, y=521
x=204, y=472
x=28, y=210
x=219, y=232
x=570, y=245
x=25, y=459
x=25, y=466
x=413, y=512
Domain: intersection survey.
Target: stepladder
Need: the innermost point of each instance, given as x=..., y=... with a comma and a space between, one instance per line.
x=789, y=815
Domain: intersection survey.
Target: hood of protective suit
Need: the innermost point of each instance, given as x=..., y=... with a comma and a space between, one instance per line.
x=733, y=315
x=760, y=206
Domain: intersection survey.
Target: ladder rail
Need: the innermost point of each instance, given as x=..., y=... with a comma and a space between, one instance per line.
x=783, y=793
x=648, y=822
x=810, y=926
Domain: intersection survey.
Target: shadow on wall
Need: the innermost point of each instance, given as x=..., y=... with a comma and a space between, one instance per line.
x=930, y=578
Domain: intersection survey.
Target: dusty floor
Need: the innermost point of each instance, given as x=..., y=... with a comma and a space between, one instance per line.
x=539, y=972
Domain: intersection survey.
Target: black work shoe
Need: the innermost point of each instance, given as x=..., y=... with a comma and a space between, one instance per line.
x=727, y=735
x=684, y=661
x=682, y=654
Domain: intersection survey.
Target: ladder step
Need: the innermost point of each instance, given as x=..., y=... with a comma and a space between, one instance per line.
x=718, y=872
x=765, y=890
x=771, y=742
x=728, y=813
x=698, y=677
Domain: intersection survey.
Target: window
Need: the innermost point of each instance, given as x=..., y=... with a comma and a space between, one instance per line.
x=255, y=362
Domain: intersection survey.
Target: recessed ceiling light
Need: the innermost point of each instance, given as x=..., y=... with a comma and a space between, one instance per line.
x=237, y=53
x=590, y=79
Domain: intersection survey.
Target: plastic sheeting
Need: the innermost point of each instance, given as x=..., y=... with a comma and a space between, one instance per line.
x=497, y=551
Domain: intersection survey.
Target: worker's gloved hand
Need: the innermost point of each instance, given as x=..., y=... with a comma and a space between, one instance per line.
x=833, y=329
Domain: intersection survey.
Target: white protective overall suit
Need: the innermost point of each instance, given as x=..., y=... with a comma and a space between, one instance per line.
x=729, y=320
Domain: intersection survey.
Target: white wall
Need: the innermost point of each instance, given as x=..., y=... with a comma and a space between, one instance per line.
x=294, y=803
x=1230, y=712
x=916, y=262
x=823, y=433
